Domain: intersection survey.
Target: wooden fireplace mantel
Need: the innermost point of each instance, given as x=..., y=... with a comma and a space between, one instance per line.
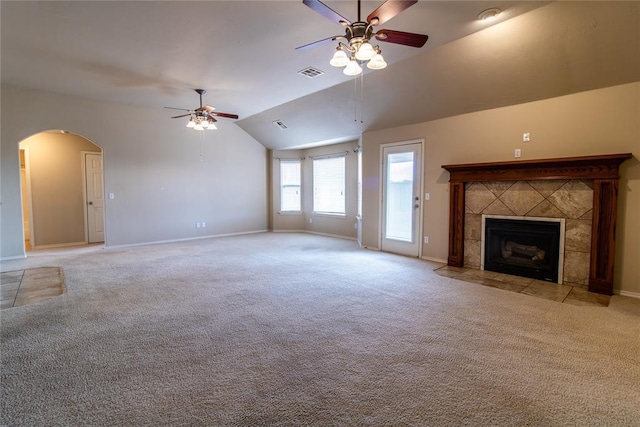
x=603, y=170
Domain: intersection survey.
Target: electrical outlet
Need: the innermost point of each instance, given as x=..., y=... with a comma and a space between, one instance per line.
x=310, y=220
x=198, y=225
x=426, y=239
x=517, y=153
x=204, y=224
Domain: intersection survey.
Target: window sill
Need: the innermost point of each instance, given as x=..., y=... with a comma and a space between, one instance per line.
x=289, y=212
x=332, y=215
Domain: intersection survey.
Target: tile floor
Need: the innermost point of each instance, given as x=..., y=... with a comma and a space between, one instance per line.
x=561, y=293
x=24, y=287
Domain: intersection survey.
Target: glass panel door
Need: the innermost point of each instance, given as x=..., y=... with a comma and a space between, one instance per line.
x=401, y=199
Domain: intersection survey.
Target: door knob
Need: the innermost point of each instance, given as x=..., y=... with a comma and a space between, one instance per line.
x=90, y=203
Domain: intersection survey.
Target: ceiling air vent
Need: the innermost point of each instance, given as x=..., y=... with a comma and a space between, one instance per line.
x=280, y=124
x=311, y=72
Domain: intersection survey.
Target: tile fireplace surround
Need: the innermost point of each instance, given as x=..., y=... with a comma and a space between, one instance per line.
x=583, y=190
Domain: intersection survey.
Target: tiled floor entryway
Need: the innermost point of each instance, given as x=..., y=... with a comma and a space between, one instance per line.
x=561, y=293
x=23, y=287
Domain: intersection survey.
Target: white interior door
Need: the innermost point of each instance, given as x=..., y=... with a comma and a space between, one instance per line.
x=94, y=197
x=401, y=207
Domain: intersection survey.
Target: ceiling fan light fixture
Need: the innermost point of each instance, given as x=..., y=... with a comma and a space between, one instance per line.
x=359, y=34
x=377, y=62
x=212, y=126
x=352, y=68
x=365, y=52
x=340, y=59
x=198, y=125
x=191, y=124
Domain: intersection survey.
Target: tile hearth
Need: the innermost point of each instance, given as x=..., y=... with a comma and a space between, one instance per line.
x=24, y=287
x=573, y=295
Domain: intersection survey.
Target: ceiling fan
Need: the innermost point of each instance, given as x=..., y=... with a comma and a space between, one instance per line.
x=359, y=34
x=202, y=117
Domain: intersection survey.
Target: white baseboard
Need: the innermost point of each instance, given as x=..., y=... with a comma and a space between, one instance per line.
x=626, y=293
x=10, y=258
x=316, y=233
x=59, y=245
x=432, y=259
x=331, y=235
x=186, y=239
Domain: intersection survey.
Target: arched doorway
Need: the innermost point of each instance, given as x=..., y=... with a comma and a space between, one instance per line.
x=62, y=190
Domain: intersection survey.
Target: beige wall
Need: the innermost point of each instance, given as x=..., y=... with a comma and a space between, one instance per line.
x=164, y=177
x=57, y=194
x=603, y=121
x=323, y=224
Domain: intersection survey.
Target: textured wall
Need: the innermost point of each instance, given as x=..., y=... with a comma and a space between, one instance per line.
x=603, y=121
x=165, y=177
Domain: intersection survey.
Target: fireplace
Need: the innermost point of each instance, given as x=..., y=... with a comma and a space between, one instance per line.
x=601, y=169
x=527, y=247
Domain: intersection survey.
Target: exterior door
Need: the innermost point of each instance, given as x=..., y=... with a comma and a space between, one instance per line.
x=401, y=207
x=94, y=197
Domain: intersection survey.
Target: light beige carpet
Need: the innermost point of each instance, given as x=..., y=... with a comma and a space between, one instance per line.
x=295, y=329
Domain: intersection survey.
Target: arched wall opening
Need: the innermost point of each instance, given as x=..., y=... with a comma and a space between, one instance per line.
x=61, y=178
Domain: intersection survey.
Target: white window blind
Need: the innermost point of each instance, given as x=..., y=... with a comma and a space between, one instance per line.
x=328, y=185
x=290, y=186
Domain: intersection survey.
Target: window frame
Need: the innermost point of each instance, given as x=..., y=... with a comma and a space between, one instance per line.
x=282, y=186
x=317, y=210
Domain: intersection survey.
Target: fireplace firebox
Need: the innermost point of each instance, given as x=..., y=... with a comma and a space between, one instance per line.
x=523, y=247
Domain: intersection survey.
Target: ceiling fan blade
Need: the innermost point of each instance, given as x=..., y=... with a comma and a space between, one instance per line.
x=400, y=37
x=207, y=108
x=326, y=11
x=388, y=10
x=227, y=115
x=319, y=42
x=174, y=108
x=184, y=115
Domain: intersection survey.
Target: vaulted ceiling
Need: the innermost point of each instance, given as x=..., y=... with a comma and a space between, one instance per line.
x=154, y=54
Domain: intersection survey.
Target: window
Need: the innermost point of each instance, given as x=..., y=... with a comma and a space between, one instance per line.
x=328, y=185
x=290, y=186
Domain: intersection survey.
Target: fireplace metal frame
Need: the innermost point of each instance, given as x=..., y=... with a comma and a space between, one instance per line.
x=561, y=221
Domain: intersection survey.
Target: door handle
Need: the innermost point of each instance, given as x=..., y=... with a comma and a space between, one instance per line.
x=90, y=203
x=416, y=206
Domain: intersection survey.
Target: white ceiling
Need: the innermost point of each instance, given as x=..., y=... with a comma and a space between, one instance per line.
x=154, y=54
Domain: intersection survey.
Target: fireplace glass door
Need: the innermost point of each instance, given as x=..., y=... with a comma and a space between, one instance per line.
x=522, y=248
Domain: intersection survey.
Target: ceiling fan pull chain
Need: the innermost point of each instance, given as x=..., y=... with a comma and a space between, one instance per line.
x=355, y=99
x=358, y=99
x=361, y=97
